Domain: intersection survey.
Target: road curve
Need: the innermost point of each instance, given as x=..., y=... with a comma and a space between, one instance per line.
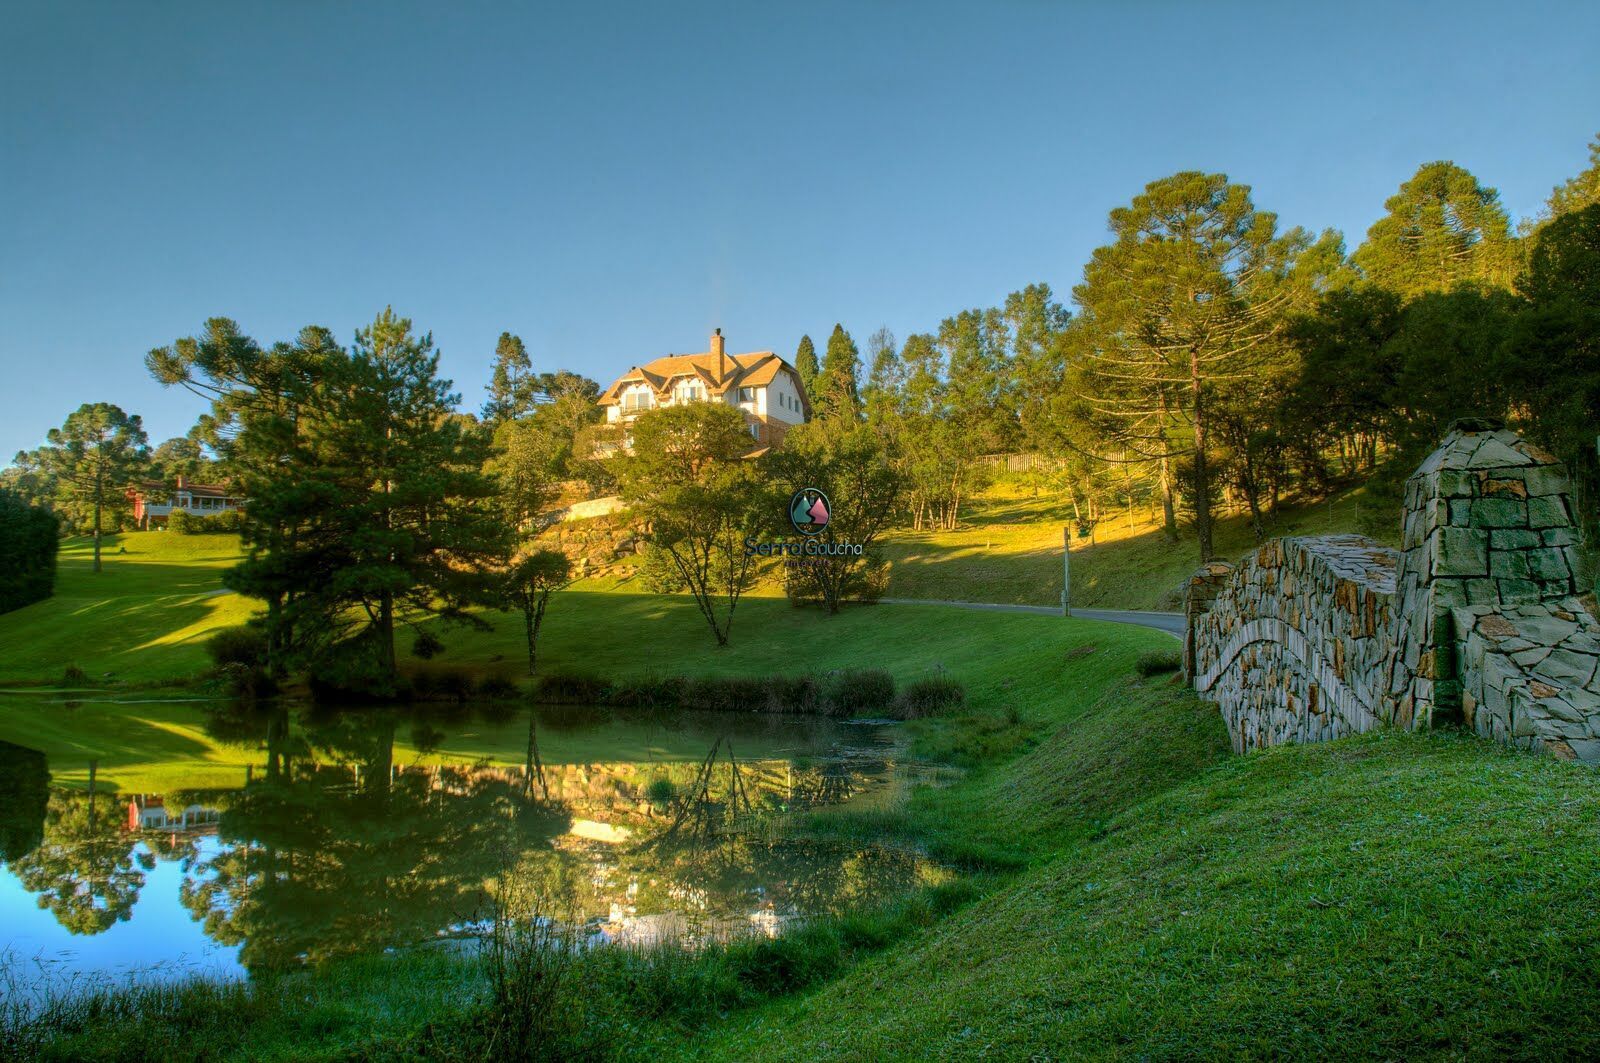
x=1171, y=623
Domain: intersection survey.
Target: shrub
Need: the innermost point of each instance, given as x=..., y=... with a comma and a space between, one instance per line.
x=659, y=572
x=661, y=791
x=797, y=694
x=498, y=688
x=29, y=537
x=725, y=694
x=649, y=692
x=929, y=697
x=454, y=684
x=855, y=692
x=227, y=522
x=426, y=646
x=246, y=680
x=1157, y=662
x=244, y=645
x=572, y=688
x=74, y=676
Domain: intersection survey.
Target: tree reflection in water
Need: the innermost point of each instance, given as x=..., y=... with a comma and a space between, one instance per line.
x=85, y=870
x=337, y=851
x=333, y=848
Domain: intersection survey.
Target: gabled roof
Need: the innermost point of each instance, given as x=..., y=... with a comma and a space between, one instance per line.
x=150, y=488
x=719, y=372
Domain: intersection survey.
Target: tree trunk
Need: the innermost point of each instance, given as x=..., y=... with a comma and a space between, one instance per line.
x=386, y=631
x=1202, y=475
x=99, y=494
x=1169, y=515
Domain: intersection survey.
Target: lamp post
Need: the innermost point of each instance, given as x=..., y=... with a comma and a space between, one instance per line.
x=1066, y=570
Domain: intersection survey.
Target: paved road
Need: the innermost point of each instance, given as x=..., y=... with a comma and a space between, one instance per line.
x=1171, y=623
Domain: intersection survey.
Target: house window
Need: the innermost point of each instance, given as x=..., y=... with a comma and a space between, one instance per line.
x=755, y=432
x=747, y=394
x=637, y=400
x=692, y=393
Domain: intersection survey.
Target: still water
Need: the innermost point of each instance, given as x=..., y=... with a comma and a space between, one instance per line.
x=143, y=839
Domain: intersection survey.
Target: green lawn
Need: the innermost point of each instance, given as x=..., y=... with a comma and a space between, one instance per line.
x=144, y=618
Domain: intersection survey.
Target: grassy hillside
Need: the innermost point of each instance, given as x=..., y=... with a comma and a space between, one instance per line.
x=143, y=618
x=1008, y=549
x=1390, y=896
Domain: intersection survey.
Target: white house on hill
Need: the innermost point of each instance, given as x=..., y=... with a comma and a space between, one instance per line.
x=763, y=386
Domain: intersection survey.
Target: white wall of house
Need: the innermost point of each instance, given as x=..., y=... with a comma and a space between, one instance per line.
x=780, y=401
x=640, y=392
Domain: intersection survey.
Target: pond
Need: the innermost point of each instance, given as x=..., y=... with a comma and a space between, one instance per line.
x=141, y=839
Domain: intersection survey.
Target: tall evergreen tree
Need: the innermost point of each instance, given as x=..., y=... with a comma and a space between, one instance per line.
x=805, y=363
x=885, y=380
x=1441, y=229
x=1194, y=288
x=418, y=531
x=512, y=385
x=92, y=460
x=838, y=388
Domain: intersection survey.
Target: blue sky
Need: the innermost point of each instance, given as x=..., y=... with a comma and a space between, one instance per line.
x=613, y=181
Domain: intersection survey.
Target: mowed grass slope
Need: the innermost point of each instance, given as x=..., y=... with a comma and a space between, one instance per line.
x=144, y=618
x=1008, y=550
x=1390, y=896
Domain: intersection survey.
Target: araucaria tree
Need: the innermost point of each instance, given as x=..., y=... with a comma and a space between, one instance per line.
x=1186, y=301
x=689, y=480
x=91, y=461
x=512, y=385
x=1442, y=229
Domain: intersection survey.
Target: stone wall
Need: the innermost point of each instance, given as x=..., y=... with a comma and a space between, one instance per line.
x=1475, y=619
x=1293, y=643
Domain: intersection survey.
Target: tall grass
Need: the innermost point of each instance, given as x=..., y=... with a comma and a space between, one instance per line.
x=843, y=694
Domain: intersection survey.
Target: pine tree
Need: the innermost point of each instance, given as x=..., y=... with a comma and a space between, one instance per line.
x=418, y=531
x=838, y=385
x=512, y=387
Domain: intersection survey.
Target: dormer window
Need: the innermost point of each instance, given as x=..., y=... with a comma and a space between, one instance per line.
x=747, y=394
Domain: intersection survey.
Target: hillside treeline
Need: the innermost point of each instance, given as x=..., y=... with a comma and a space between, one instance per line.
x=1212, y=356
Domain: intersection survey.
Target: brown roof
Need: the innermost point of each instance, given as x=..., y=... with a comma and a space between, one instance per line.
x=719, y=372
x=159, y=487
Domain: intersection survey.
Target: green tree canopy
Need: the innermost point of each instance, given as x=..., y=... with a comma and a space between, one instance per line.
x=1441, y=229
x=805, y=363
x=91, y=461
x=511, y=384
x=1190, y=296
x=689, y=479
x=1580, y=191
x=838, y=386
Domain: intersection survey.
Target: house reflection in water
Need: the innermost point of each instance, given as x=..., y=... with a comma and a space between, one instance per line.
x=149, y=812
